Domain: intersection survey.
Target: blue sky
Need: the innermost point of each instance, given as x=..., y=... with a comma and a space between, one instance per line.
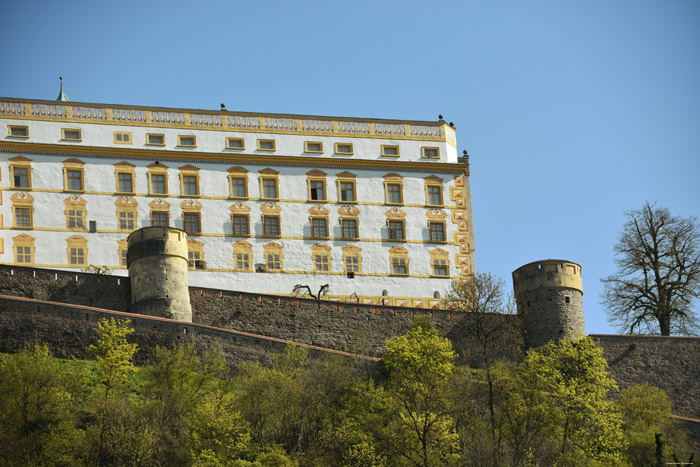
x=572, y=112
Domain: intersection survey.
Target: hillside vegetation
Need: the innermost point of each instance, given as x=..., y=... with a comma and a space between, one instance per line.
x=188, y=409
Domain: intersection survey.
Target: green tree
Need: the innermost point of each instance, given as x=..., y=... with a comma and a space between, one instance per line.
x=646, y=411
x=420, y=365
x=575, y=375
x=658, y=277
x=37, y=411
x=114, y=354
x=218, y=431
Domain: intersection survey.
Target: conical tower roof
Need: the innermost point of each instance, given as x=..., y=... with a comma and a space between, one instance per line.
x=62, y=95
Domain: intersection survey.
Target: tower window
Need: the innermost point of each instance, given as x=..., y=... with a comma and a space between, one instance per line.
x=567, y=299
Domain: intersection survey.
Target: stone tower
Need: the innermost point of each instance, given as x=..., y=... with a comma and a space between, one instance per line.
x=157, y=262
x=549, y=297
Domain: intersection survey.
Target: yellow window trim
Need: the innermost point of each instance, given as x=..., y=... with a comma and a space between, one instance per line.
x=125, y=168
x=74, y=203
x=123, y=137
x=77, y=241
x=352, y=251
x=444, y=231
x=262, y=190
x=155, y=135
x=187, y=141
x=279, y=225
x=428, y=151
x=195, y=246
x=20, y=129
x=274, y=248
x=313, y=147
x=346, y=177
x=230, y=145
x=247, y=220
x=403, y=230
x=390, y=150
x=243, y=247
x=265, y=141
x=237, y=173
x=20, y=162
x=321, y=180
x=434, y=182
x=122, y=247
x=67, y=132
x=74, y=165
x=398, y=183
x=340, y=148
x=127, y=205
x=357, y=227
x=189, y=171
x=398, y=252
x=157, y=169
x=23, y=240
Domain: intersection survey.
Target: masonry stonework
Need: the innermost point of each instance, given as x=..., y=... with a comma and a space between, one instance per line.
x=549, y=297
x=157, y=261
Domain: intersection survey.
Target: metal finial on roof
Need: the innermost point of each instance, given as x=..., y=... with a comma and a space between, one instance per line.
x=62, y=95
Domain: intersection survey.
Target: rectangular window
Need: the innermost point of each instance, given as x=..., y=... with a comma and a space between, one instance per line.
x=240, y=225
x=271, y=226
x=23, y=217
x=313, y=147
x=123, y=257
x=238, y=187
x=266, y=145
x=77, y=256
x=269, y=186
x=160, y=218
x=399, y=266
x=396, y=230
x=390, y=151
x=122, y=137
x=440, y=267
x=155, y=139
x=187, y=141
x=191, y=223
x=127, y=221
x=322, y=263
x=347, y=192
x=343, y=148
x=319, y=227
x=74, y=180
x=23, y=254
x=194, y=260
x=126, y=184
x=430, y=153
x=317, y=190
x=189, y=185
x=76, y=219
x=71, y=135
x=18, y=131
x=393, y=193
x=434, y=194
x=437, y=231
x=272, y=262
x=352, y=264
x=20, y=177
x=242, y=261
x=235, y=143
x=158, y=184
x=348, y=229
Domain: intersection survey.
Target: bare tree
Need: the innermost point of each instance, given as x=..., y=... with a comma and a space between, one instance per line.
x=494, y=333
x=658, y=277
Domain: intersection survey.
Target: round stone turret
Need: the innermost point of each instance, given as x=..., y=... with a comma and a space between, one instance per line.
x=549, y=297
x=157, y=262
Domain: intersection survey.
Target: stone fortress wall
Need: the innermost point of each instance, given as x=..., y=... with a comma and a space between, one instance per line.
x=263, y=325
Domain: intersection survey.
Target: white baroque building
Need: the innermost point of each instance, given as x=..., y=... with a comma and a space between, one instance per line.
x=379, y=210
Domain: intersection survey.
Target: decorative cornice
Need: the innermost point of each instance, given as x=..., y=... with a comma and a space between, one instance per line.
x=256, y=159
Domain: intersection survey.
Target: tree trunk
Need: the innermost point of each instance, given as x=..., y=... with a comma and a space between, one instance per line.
x=665, y=324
